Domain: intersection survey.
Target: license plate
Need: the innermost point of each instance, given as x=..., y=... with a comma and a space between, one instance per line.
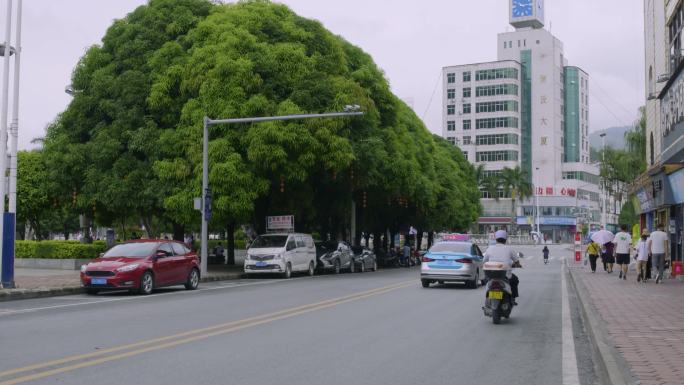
x=496, y=295
x=445, y=263
x=98, y=281
x=261, y=264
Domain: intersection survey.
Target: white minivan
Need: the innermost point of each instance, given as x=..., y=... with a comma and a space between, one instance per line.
x=281, y=254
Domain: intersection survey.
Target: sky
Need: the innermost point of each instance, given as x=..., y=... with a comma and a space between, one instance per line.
x=409, y=40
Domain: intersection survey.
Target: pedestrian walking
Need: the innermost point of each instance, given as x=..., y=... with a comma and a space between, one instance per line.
x=218, y=252
x=658, y=246
x=623, y=246
x=545, y=250
x=407, y=253
x=608, y=257
x=593, y=251
x=642, y=256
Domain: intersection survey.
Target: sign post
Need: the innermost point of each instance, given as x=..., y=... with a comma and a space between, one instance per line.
x=578, y=248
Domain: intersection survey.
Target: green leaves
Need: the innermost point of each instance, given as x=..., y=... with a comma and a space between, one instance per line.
x=133, y=132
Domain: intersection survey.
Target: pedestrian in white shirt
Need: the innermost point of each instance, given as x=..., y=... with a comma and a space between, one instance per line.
x=642, y=256
x=658, y=246
x=623, y=245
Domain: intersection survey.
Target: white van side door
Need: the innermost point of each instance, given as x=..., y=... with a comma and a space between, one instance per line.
x=302, y=259
x=291, y=252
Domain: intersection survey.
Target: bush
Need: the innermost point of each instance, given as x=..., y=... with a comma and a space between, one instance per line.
x=58, y=249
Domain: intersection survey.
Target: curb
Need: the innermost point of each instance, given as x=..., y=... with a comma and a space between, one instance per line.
x=15, y=294
x=612, y=367
x=44, y=292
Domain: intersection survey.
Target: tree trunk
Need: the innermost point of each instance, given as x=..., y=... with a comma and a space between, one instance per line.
x=431, y=238
x=231, y=243
x=419, y=239
x=178, y=232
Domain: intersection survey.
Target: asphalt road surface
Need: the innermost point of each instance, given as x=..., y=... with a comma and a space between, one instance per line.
x=362, y=328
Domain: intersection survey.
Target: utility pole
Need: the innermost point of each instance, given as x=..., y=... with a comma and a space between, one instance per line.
x=604, y=220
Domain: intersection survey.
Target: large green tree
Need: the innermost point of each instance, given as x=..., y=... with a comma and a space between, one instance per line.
x=131, y=138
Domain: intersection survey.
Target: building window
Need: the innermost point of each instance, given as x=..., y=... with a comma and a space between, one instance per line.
x=451, y=140
x=451, y=109
x=497, y=156
x=499, y=73
x=466, y=124
x=465, y=155
x=466, y=140
x=490, y=140
x=466, y=92
x=451, y=93
x=466, y=108
x=496, y=123
x=499, y=89
x=451, y=125
x=466, y=77
x=451, y=78
x=496, y=106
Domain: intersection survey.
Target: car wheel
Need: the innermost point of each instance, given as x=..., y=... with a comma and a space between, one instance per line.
x=351, y=266
x=362, y=269
x=146, y=283
x=311, y=269
x=337, y=266
x=92, y=291
x=425, y=282
x=193, y=279
x=473, y=283
x=375, y=266
x=288, y=271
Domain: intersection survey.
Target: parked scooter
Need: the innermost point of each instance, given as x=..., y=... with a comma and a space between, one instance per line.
x=499, y=295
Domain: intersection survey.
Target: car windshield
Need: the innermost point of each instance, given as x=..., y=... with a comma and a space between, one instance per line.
x=132, y=250
x=267, y=241
x=448, y=247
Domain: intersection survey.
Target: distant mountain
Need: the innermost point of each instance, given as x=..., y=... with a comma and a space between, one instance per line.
x=615, y=137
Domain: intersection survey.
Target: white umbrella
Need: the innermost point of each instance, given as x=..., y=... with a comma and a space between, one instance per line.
x=602, y=237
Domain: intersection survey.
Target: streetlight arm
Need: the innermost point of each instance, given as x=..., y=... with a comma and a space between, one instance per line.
x=212, y=122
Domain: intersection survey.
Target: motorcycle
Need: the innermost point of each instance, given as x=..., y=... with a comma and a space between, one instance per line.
x=499, y=295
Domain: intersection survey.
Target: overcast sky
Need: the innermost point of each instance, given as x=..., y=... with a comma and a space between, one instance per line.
x=410, y=40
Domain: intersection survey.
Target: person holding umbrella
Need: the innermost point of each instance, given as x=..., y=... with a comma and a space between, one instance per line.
x=605, y=238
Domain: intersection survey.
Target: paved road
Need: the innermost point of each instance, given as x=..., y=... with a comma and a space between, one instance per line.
x=370, y=328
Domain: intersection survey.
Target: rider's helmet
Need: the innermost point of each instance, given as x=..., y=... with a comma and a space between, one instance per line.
x=501, y=236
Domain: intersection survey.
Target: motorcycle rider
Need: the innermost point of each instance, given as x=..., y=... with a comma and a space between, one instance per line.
x=499, y=252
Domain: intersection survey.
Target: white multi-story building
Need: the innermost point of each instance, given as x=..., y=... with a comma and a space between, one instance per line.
x=530, y=110
x=660, y=190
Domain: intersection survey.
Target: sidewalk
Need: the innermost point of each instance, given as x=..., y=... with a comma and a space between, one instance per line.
x=33, y=283
x=641, y=322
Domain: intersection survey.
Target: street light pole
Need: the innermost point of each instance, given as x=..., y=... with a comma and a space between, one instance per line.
x=604, y=220
x=3, y=128
x=350, y=110
x=536, y=200
x=14, y=129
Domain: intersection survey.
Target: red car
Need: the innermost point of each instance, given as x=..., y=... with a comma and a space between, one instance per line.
x=142, y=265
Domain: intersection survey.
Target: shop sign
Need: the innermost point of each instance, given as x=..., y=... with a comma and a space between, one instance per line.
x=280, y=222
x=677, y=183
x=645, y=198
x=548, y=221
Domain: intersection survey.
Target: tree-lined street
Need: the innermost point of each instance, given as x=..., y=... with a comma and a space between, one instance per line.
x=371, y=328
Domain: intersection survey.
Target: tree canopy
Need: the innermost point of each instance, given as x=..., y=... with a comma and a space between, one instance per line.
x=129, y=145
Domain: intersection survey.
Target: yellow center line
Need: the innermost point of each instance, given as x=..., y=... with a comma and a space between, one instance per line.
x=187, y=337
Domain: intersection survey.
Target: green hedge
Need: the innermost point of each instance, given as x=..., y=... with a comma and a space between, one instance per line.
x=58, y=249
x=77, y=250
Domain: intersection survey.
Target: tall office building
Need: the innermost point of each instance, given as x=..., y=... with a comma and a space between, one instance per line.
x=528, y=109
